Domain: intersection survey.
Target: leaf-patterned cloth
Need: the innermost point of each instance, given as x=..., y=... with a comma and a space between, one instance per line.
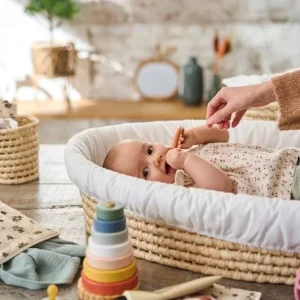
x=18, y=233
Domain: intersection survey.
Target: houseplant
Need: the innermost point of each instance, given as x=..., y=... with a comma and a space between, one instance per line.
x=49, y=58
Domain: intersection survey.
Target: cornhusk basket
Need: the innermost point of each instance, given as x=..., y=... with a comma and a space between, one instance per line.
x=54, y=61
x=19, y=149
x=269, y=112
x=158, y=242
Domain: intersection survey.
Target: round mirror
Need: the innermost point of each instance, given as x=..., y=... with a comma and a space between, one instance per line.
x=157, y=79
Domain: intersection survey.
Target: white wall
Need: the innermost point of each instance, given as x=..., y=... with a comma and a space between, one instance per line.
x=264, y=33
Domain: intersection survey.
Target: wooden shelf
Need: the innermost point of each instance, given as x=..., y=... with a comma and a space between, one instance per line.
x=112, y=109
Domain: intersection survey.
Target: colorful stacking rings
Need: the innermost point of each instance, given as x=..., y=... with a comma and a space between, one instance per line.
x=102, y=238
x=109, y=226
x=104, y=276
x=110, y=251
x=109, y=267
x=105, y=263
x=115, y=288
x=108, y=211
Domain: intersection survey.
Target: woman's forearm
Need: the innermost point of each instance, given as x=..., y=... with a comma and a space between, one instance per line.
x=207, y=175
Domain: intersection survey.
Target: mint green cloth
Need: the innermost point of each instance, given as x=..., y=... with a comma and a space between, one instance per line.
x=55, y=261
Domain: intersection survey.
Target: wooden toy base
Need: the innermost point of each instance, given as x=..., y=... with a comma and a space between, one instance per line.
x=85, y=295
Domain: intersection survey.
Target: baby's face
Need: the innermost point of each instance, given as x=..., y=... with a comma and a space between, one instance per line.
x=143, y=160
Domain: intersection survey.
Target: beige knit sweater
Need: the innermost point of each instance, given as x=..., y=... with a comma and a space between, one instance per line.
x=287, y=90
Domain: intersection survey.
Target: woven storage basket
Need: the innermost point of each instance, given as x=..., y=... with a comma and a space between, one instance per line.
x=269, y=112
x=158, y=242
x=54, y=61
x=19, y=149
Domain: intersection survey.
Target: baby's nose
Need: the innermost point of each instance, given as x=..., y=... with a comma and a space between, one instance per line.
x=157, y=160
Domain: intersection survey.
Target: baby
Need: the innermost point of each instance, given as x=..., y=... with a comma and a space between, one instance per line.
x=203, y=158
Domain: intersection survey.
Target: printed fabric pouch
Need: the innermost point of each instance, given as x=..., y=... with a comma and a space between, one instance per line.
x=18, y=233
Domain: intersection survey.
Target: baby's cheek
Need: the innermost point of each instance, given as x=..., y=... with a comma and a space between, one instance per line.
x=156, y=175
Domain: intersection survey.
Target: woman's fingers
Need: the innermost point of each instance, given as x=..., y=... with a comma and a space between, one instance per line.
x=214, y=104
x=237, y=118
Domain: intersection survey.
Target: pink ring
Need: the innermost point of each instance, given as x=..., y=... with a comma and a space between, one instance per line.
x=297, y=286
x=104, y=263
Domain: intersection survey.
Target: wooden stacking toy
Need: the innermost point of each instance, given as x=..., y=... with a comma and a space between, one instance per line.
x=109, y=267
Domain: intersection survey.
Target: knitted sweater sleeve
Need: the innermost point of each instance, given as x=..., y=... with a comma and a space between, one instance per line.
x=287, y=90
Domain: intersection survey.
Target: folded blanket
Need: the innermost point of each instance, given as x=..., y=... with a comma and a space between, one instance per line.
x=55, y=261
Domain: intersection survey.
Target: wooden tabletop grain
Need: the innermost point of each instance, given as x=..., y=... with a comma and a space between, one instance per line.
x=54, y=201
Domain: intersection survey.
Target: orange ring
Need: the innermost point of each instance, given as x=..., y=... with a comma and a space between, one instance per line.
x=107, y=289
x=108, y=276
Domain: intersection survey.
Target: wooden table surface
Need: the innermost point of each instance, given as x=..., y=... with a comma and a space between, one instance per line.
x=54, y=202
x=113, y=109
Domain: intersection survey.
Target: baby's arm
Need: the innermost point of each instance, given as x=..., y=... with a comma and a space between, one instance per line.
x=205, y=174
x=202, y=135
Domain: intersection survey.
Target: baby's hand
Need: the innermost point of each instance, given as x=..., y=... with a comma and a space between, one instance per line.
x=187, y=140
x=178, y=136
x=176, y=157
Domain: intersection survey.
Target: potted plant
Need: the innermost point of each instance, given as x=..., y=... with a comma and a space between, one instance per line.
x=52, y=59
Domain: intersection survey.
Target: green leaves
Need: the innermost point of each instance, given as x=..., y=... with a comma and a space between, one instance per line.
x=60, y=9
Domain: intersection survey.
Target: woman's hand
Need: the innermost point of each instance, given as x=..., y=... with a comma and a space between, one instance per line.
x=176, y=158
x=237, y=100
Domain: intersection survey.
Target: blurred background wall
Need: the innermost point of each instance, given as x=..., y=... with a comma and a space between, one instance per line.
x=113, y=36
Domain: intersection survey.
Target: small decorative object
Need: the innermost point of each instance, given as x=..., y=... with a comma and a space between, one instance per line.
x=52, y=292
x=54, y=59
x=19, y=146
x=221, y=48
x=191, y=83
x=109, y=267
x=157, y=78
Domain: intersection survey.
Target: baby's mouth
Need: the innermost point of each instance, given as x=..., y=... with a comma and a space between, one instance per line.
x=168, y=168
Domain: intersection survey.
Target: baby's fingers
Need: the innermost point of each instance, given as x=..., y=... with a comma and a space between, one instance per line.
x=180, y=140
x=176, y=139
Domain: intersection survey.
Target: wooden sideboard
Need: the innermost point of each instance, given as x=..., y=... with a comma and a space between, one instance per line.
x=142, y=110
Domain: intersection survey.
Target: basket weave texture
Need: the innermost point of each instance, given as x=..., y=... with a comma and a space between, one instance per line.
x=19, y=150
x=269, y=112
x=158, y=242
x=55, y=60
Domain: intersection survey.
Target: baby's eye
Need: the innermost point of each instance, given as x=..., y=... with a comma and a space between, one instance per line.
x=145, y=172
x=149, y=150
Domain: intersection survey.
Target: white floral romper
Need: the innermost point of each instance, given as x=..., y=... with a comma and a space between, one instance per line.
x=254, y=170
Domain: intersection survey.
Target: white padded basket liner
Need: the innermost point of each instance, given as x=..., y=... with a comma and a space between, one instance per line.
x=244, y=219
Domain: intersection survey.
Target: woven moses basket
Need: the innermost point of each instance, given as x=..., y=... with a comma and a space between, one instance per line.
x=158, y=242
x=19, y=152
